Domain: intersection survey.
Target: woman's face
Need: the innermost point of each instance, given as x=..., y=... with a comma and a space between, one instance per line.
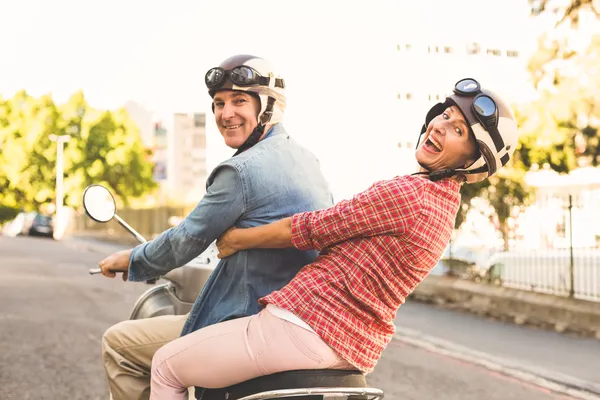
x=447, y=143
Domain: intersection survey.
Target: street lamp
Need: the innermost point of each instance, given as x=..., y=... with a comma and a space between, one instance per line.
x=60, y=141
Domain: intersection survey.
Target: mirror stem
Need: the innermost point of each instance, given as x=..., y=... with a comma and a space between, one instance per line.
x=130, y=229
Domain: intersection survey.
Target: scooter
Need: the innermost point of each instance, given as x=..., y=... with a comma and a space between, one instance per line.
x=176, y=297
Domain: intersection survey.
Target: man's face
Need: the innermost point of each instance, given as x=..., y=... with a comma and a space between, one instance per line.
x=447, y=143
x=236, y=116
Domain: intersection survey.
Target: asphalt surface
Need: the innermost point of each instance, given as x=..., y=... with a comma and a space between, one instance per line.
x=567, y=354
x=53, y=314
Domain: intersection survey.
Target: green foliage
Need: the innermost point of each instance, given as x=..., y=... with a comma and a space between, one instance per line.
x=8, y=213
x=559, y=128
x=104, y=147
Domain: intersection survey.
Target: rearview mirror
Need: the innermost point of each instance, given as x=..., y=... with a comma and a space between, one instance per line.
x=99, y=203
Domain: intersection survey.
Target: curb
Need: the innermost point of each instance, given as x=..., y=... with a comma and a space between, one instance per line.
x=561, y=314
x=554, y=381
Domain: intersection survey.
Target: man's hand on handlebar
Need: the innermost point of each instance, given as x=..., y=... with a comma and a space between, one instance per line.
x=117, y=262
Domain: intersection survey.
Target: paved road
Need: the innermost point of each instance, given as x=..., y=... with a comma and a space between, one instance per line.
x=52, y=315
x=566, y=354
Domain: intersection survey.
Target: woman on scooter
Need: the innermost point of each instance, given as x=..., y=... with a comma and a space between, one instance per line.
x=338, y=312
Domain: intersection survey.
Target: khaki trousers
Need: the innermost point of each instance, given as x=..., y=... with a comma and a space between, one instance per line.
x=127, y=351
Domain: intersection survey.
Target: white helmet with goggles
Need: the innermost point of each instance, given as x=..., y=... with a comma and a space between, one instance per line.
x=247, y=73
x=491, y=122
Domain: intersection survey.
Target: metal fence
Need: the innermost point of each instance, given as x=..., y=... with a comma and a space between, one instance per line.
x=554, y=248
x=148, y=222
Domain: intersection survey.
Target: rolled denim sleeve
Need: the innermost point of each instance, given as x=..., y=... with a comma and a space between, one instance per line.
x=219, y=209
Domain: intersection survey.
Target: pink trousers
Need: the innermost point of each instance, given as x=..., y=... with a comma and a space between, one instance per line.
x=234, y=351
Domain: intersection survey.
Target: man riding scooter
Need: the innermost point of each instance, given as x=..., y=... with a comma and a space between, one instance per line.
x=269, y=177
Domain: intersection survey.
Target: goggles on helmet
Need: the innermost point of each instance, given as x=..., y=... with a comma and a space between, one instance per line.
x=240, y=76
x=483, y=106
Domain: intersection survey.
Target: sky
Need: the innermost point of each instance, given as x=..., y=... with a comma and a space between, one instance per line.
x=334, y=55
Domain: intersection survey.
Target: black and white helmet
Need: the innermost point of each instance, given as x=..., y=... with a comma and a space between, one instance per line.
x=492, y=123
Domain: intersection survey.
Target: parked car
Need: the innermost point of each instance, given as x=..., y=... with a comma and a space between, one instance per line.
x=462, y=261
x=546, y=270
x=41, y=225
x=30, y=223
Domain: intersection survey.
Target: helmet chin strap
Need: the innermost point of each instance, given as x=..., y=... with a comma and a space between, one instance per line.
x=435, y=176
x=251, y=140
x=259, y=130
x=443, y=174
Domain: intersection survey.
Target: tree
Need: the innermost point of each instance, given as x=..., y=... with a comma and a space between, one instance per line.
x=561, y=126
x=504, y=191
x=568, y=12
x=545, y=137
x=507, y=191
x=26, y=159
x=468, y=192
x=105, y=147
x=557, y=47
x=108, y=151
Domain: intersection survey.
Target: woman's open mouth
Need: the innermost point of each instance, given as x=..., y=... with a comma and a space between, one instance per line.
x=432, y=145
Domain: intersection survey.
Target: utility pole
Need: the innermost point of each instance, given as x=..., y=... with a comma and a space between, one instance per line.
x=60, y=141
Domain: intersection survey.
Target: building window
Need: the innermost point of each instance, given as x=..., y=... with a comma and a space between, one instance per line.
x=199, y=120
x=473, y=48
x=406, y=145
x=408, y=96
x=512, y=53
x=447, y=49
x=198, y=141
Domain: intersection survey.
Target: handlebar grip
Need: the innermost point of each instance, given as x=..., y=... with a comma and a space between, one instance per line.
x=94, y=271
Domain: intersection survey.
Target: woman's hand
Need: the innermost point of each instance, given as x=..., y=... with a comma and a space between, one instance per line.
x=226, y=244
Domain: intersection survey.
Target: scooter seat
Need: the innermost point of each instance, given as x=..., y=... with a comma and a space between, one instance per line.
x=310, y=378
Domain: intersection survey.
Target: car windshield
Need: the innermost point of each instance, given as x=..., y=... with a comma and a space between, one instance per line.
x=43, y=220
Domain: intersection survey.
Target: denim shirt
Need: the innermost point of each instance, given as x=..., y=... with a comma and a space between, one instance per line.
x=274, y=179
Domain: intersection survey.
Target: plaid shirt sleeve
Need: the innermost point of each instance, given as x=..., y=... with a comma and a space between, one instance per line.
x=385, y=208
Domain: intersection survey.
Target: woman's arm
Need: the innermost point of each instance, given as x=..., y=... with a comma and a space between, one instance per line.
x=275, y=235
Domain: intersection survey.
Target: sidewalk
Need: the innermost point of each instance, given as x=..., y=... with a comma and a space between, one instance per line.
x=521, y=307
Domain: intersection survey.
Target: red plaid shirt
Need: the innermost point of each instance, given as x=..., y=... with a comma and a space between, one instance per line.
x=375, y=249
